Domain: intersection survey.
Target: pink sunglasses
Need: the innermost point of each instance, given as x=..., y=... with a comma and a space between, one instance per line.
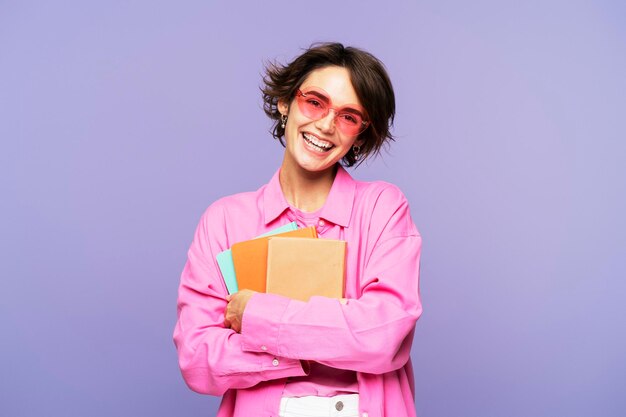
x=315, y=104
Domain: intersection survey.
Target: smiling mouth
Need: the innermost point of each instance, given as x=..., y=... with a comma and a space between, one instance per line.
x=318, y=144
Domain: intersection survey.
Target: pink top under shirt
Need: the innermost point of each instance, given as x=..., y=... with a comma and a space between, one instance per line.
x=370, y=335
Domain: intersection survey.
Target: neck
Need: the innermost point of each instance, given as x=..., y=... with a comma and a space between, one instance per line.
x=307, y=191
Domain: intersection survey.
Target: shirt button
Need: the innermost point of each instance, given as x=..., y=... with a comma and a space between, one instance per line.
x=275, y=362
x=339, y=406
x=263, y=347
x=321, y=223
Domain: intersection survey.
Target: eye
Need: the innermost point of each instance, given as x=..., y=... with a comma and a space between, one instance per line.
x=314, y=102
x=350, y=118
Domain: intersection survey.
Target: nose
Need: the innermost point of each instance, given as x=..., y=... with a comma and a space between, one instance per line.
x=326, y=123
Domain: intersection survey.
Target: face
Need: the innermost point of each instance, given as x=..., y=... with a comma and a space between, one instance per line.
x=317, y=144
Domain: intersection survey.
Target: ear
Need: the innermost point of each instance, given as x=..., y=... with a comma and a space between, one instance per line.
x=283, y=108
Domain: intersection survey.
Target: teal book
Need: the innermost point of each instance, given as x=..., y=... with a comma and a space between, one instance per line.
x=225, y=259
x=227, y=267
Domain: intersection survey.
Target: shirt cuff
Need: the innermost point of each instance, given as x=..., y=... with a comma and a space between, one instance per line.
x=260, y=325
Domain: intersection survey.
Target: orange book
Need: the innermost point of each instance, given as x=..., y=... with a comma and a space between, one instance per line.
x=301, y=268
x=250, y=258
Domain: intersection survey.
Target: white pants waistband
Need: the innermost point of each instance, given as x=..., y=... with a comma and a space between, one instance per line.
x=312, y=406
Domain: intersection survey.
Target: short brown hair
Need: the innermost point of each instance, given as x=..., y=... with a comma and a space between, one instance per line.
x=369, y=79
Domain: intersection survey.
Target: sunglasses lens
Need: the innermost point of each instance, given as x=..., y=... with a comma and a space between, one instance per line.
x=349, y=123
x=311, y=106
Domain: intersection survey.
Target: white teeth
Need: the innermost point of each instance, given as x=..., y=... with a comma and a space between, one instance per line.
x=322, y=144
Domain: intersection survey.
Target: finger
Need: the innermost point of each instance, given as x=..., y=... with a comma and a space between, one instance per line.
x=236, y=327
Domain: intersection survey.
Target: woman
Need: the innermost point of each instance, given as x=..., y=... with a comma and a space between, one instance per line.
x=272, y=356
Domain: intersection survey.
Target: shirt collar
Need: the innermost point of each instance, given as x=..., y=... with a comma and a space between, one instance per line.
x=338, y=206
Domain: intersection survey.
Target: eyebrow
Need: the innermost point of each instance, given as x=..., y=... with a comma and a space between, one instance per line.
x=353, y=111
x=318, y=95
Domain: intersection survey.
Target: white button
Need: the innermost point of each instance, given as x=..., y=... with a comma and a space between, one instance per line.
x=275, y=362
x=321, y=222
x=263, y=347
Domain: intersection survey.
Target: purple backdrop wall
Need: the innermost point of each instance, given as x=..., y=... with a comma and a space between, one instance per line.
x=121, y=121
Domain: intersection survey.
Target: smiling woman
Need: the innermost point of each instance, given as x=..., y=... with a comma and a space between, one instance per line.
x=270, y=355
x=367, y=78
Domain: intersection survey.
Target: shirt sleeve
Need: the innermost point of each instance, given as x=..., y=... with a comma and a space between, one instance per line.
x=211, y=357
x=372, y=333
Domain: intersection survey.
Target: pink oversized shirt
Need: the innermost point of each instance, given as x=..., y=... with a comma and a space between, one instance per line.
x=370, y=334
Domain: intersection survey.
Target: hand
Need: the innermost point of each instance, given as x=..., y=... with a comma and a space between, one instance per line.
x=233, y=314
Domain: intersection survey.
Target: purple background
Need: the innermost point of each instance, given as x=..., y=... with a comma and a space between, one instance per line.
x=121, y=121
